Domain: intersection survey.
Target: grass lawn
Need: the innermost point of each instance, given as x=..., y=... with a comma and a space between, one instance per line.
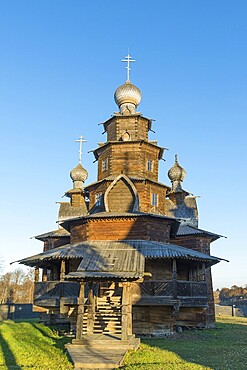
x=224, y=347
x=30, y=345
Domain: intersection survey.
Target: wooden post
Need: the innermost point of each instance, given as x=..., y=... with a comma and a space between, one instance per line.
x=44, y=276
x=91, y=309
x=63, y=308
x=80, y=311
x=124, y=318
x=203, y=271
x=36, y=274
x=62, y=270
x=197, y=273
x=174, y=278
x=190, y=274
x=129, y=312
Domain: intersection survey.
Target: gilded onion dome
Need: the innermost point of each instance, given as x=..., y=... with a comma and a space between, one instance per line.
x=176, y=174
x=78, y=176
x=127, y=96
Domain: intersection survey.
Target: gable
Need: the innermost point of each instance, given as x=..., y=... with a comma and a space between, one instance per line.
x=121, y=196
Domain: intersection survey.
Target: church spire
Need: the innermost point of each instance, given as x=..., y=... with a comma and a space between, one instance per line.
x=80, y=140
x=127, y=96
x=128, y=59
x=79, y=174
x=176, y=174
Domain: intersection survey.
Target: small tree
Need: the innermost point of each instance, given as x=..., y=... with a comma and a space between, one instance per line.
x=224, y=294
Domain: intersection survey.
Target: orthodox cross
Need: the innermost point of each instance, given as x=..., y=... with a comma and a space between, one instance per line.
x=81, y=140
x=128, y=60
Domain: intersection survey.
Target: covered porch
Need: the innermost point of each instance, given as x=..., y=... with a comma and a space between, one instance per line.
x=142, y=273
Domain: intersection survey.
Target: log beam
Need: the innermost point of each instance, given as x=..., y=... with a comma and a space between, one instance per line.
x=91, y=309
x=80, y=311
x=174, y=278
x=36, y=275
x=62, y=270
x=124, y=317
x=129, y=309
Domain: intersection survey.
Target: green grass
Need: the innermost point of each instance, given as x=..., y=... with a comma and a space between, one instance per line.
x=31, y=345
x=224, y=347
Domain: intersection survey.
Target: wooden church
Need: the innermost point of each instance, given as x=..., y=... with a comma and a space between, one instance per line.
x=128, y=256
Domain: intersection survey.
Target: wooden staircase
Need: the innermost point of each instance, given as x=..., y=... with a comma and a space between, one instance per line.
x=102, y=351
x=107, y=316
x=103, y=348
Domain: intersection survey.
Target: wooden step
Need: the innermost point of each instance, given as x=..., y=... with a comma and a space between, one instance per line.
x=106, y=342
x=107, y=316
x=92, y=356
x=84, y=358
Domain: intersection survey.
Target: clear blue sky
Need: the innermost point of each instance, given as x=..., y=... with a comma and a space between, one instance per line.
x=59, y=67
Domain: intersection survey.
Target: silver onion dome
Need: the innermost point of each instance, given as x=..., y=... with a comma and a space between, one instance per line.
x=176, y=173
x=127, y=96
x=78, y=176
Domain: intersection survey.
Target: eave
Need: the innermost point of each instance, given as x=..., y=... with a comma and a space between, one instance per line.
x=118, y=115
x=113, y=215
x=98, y=151
x=123, y=256
x=189, y=230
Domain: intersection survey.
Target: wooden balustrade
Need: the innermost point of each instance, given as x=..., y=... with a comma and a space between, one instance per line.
x=41, y=288
x=188, y=289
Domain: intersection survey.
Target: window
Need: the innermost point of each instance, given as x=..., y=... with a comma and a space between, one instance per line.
x=104, y=164
x=154, y=200
x=98, y=198
x=150, y=165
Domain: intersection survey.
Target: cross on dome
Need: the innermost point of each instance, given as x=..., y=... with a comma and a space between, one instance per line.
x=128, y=59
x=81, y=140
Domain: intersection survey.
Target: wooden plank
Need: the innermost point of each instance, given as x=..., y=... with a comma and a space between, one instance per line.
x=91, y=310
x=124, y=321
x=80, y=312
x=129, y=310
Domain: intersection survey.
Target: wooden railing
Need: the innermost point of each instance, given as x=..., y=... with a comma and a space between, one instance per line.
x=161, y=289
x=171, y=289
x=191, y=289
x=41, y=288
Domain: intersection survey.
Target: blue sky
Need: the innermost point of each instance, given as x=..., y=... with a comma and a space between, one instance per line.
x=60, y=63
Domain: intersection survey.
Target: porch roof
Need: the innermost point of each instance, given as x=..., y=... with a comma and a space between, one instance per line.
x=116, y=259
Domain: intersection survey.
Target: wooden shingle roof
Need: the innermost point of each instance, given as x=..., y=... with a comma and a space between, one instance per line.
x=115, y=259
x=53, y=234
x=185, y=230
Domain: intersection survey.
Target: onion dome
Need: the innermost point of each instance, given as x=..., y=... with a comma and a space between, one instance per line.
x=176, y=174
x=78, y=176
x=127, y=96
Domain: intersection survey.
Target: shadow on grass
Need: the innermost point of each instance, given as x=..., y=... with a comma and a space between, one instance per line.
x=46, y=331
x=219, y=348
x=146, y=365
x=8, y=355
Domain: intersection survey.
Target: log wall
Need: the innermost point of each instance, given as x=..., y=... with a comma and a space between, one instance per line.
x=152, y=320
x=129, y=158
x=121, y=228
x=136, y=126
x=55, y=242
